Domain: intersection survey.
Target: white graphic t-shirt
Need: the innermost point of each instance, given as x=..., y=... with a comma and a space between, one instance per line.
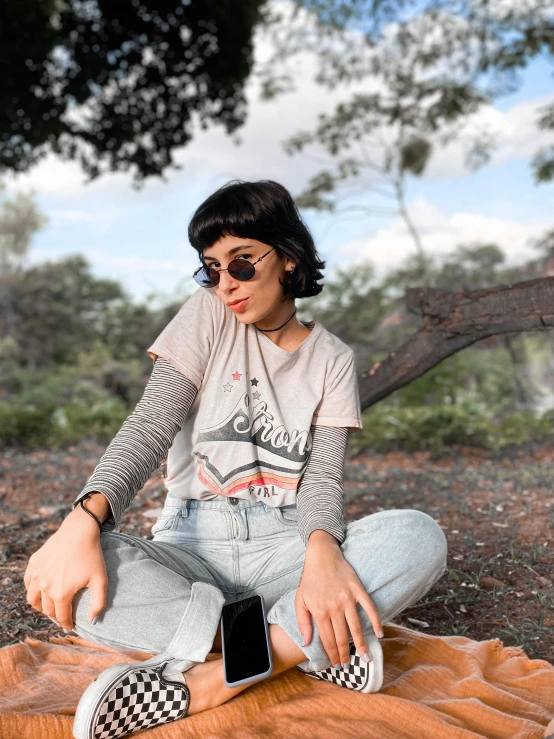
x=247, y=434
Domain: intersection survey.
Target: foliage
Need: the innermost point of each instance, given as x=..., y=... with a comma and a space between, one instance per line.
x=543, y=164
x=543, y=161
x=73, y=359
x=63, y=403
x=58, y=307
x=116, y=86
x=20, y=219
x=52, y=426
x=52, y=312
x=351, y=304
x=73, y=347
x=470, y=266
x=432, y=428
x=474, y=374
x=89, y=379
x=426, y=68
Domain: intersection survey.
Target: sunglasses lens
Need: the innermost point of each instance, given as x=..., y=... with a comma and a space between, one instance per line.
x=204, y=278
x=240, y=269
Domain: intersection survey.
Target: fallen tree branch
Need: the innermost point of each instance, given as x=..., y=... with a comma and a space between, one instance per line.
x=454, y=320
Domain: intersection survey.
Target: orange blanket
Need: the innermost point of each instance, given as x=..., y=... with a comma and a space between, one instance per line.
x=443, y=687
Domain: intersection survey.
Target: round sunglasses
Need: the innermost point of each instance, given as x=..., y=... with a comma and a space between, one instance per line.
x=240, y=269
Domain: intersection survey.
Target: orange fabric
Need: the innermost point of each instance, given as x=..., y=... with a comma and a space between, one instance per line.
x=443, y=687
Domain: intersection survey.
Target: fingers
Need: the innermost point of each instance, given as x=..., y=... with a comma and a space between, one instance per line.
x=38, y=599
x=304, y=620
x=48, y=607
x=328, y=639
x=98, y=587
x=335, y=626
x=342, y=639
x=34, y=595
x=355, y=628
x=27, y=576
x=367, y=604
x=58, y=609
x=64, y=612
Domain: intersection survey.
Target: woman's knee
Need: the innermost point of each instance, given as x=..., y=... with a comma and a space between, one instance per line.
x=406, y=535
x=117, y=640
x=425, y=542
x=128, y=575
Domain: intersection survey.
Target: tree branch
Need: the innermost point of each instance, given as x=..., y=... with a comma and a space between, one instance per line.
x=454, y=320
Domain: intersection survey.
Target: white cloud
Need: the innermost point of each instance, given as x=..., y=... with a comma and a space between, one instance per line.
x=126, y=264
x=141, y=265
x=212, y=155
x=517, y=133
x=71, y=215
x=442, y=233
x=37, y=256
x=514, y=131
x=64, y=180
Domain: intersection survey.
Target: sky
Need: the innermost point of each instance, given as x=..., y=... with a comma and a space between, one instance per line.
x=140, y=237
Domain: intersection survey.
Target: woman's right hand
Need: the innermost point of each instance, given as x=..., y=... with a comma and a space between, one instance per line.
x=71, y=559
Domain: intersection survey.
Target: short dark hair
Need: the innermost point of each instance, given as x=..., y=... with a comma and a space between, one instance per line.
x=263, y=211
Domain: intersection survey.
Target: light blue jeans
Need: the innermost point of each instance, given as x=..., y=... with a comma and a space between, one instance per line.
x=165, y=594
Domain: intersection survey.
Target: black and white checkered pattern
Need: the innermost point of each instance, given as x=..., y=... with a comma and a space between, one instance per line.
x=355, y=678
x=141, y=699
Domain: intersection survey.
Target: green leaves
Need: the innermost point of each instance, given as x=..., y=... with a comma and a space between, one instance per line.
x=542, y=165
x=115, y=86
x=414, y=155
x=435, y=427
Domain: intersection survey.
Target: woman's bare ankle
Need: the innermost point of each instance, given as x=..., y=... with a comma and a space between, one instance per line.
x=206, y=680
x=207, y=686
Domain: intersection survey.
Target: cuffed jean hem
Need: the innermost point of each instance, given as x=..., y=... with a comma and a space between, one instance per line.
x=196, y=632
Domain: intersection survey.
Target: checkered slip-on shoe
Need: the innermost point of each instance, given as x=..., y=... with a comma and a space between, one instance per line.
x=366, y=677
x=129, y=697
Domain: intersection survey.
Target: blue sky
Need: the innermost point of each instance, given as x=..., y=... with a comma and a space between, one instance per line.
x=140, y=238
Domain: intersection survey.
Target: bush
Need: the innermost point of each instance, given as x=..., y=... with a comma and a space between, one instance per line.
x=62, y=404
x=53, y=426
x=25, y=426
x=474, y=375
x=389, y=428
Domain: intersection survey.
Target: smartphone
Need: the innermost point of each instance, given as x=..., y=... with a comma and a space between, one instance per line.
x=245, y=642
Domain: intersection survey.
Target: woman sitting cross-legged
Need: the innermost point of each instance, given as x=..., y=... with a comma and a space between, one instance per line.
x=253, y=409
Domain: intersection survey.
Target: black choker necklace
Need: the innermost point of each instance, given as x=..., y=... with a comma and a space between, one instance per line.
x=267, y=330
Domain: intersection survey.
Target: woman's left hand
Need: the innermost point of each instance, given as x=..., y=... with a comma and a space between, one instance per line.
x=328, y=591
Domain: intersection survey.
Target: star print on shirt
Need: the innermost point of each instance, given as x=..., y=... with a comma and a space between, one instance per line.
x=254, y=381
x=256, y=395
x=228, y=387
x=236, y=375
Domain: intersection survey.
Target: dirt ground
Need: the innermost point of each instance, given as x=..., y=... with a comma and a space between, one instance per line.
x=496, y=509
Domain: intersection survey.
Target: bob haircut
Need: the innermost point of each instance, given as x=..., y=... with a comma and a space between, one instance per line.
x=263, y=211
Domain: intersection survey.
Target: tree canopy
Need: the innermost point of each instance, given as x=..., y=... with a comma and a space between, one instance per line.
x=118, y=86
x=426, y=66
x=115, y=85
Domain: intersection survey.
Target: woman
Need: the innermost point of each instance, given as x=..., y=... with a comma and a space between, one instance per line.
x=255, y=408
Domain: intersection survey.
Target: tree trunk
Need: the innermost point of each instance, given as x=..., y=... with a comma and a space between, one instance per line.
x=521, y=395
x=452, y=321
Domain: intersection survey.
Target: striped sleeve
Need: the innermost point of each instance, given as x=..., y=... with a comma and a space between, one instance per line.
x=143, y=440
x=320, y=496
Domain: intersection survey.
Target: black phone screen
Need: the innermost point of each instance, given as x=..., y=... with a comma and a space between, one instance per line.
x=244, y=637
